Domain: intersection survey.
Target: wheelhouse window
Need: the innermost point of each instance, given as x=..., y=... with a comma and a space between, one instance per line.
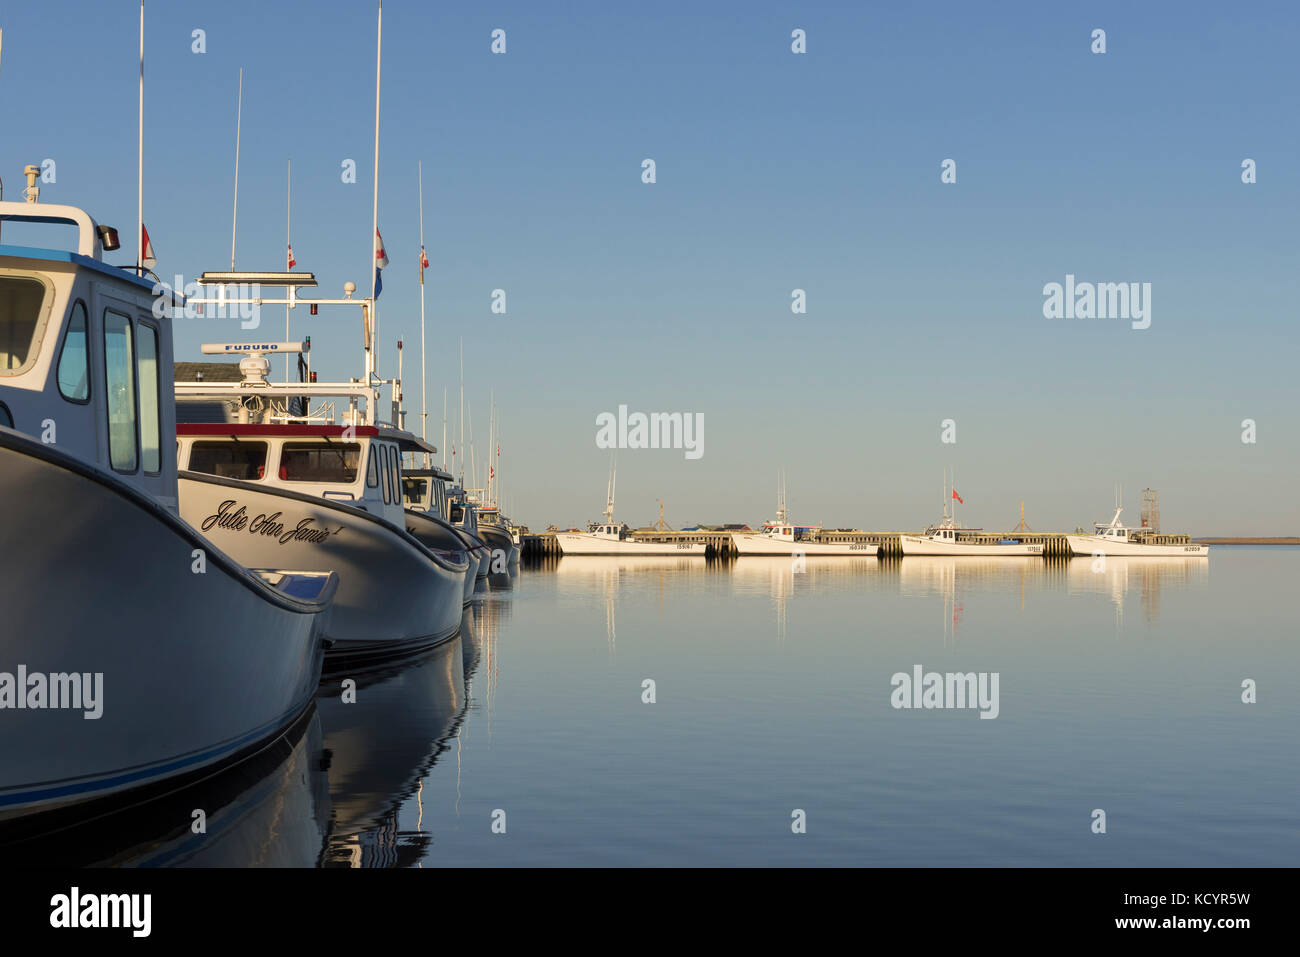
x=150, y=421
x=395, y=474
x=119, y=375
x=415, y=491
x=234, y=460
x=386, y=474
x=21, y=324
x=372, y=470
x=320, y=462
x=74, y=361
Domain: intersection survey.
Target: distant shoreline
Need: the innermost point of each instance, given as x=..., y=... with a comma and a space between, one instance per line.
x=1247, y=541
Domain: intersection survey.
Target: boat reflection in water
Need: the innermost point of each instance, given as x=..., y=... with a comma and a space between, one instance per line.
x=783, y=578
x=271, y=810
x=379, y=747
x=1115, y=577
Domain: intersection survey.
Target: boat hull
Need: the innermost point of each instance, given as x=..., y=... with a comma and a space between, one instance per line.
x=395, y=595
x=766, y=545
x=923, y=545
x=1088, y=545
x=201, y=660
x=434, y=532
x=577, y=543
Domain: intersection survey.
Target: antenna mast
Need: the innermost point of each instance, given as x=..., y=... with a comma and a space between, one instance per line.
x=139, y=206
x=374, y=222
x=239, y=118
x=424, y=394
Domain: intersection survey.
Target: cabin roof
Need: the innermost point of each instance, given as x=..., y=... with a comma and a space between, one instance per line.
x=76, y=259
x=212, y=371
x=223, y=429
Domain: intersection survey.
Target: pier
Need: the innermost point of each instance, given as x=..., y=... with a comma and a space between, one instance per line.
x=543, y=544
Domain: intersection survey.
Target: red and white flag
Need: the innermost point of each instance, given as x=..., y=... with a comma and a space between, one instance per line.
x=381, y=257
x=958, y=497
x=147, y=258
x=292, y=262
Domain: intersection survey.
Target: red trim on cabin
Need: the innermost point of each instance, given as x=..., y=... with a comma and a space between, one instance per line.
x=273, y=431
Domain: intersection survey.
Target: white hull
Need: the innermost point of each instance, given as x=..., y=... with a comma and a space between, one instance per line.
x=767, y=545
x=1087, y=545
x=97, y=578
x=439, y=534
x=578, y=543
x=924, y=545
x=394, y=595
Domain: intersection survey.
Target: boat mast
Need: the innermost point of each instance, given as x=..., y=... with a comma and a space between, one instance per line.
x=424, y=394
x=139, y=205
x=288, y=242
x=239, y=117
x=444, y=428
x=374, y=223
x=462, y=412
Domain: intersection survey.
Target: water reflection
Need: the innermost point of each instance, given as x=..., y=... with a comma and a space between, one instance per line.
x=1115, y=577
x=379, y=746
x=269, y=811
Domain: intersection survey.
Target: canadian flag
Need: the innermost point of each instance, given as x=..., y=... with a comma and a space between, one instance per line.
x=292, y=262
x=147, y=258
x=958, y=497
x=424, y=264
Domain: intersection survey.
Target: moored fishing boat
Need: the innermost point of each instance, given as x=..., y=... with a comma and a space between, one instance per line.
x=613, y=538
x=1115, y=539
x=425, y=495
x=326, y=495
x=114, y=608
x=949, y=538
x=782, y=537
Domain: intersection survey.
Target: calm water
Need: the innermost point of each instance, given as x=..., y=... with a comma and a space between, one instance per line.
x=1119, y=689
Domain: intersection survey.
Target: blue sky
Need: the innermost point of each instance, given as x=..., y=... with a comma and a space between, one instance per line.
x=775, y=171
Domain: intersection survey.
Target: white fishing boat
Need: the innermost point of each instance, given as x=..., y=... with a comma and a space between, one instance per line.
x=495, y=529
x=1115, y=539
x=425, y=494
x=112, y=606
x=783, y=537
x=614, y=538
x=284, y=480
x=463, y=513
x=950, y=538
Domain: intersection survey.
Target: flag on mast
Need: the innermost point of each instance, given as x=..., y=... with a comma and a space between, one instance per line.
x=381, y=260
x=424, y=263
x=958, y=497
x=147, y=258
x=292, y=262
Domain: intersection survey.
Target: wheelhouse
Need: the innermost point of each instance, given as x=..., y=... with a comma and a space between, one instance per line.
x=359, y=465
x=425, y=490
x=86, y=353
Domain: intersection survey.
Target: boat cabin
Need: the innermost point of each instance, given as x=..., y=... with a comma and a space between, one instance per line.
x=783, y=532
x=1113, y=530
x=613, y=533
x=85, y=350
x=461, y=510
x=425, y=490
x=360, y=465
